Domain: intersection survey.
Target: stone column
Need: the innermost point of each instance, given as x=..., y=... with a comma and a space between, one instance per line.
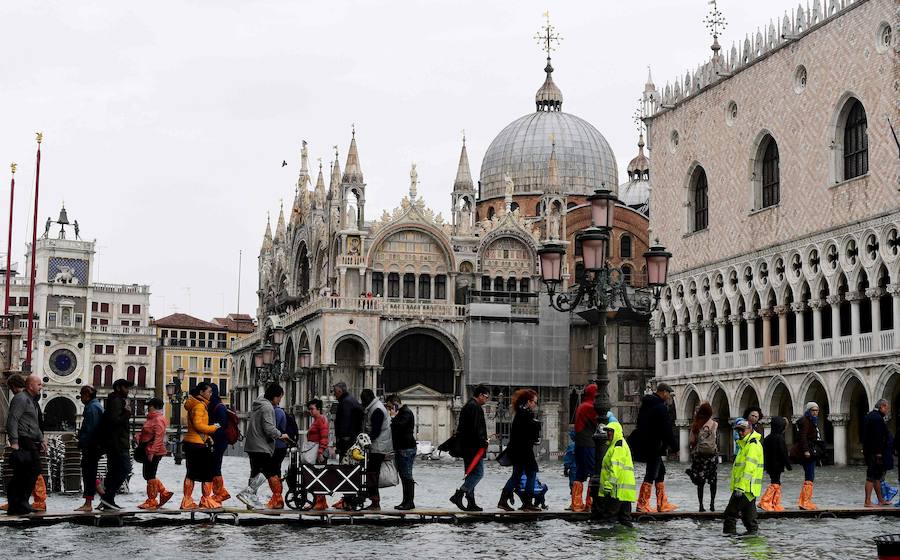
x=874, y=295
x=343, y=282
x=684, y=434
x=766, y=315
x=894, y=290
x=781, y=311
x=720, y=324
x=708, y=327
x=682, y=339
x=816, y=306
x=750, y=318
x=658, y=335
x=670, y=345
x=735, y=336
x=854, y=298
x=835, y=303
x=839, y=423
x=695, y=338
x=798, y=307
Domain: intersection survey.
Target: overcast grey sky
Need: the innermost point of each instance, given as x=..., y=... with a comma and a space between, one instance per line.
x=166, y=122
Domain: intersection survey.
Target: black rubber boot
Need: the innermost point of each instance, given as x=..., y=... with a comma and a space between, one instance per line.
x=470, y=503
x=505, y=497
x=409, y=493
x=457, y=499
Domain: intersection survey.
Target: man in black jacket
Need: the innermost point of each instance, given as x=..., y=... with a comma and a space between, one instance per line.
x=403, y=430
x=471, y=440
x=654, y=436
x=875, y=446
x=115, y=442
x=348, y=419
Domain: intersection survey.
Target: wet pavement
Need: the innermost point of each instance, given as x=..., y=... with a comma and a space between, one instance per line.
x=779, y=538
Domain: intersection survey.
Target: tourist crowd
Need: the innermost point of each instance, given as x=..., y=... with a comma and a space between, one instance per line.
x=385, y=432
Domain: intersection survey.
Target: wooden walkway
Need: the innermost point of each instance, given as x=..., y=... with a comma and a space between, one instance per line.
x=240, y=516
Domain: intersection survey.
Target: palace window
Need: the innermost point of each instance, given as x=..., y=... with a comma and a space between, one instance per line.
x=393, y=285
x=424, y=286
x=699, y=200
x=440, y=287
x=856, y=142
x=378, y=283
x=771, y=177
x=129, y=374
x=98, y=376
x=625, y=246
x=409, y=286
x=108, y=376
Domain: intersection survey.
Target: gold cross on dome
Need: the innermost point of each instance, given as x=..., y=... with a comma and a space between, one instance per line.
x=548, y=37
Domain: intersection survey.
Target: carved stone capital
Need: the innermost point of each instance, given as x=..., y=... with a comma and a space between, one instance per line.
x=874, y=293
x=707, y=325
x=816, y=304
x=681, y=328
x=669, y=331
x=781, y=310
x=721, y=321
x=735, y=319
x=834, y=300
x=766, y=313
x=694, y=326
x=854, y=297
x=798, y=307
x=749, y=316
x=894, y=289
x=839, y=419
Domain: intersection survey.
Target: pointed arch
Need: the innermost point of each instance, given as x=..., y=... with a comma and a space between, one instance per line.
x=689, y=402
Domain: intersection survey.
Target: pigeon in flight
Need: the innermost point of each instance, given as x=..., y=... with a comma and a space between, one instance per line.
x=283, y=163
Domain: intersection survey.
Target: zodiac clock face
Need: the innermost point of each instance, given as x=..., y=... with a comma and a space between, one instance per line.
x=63, y=362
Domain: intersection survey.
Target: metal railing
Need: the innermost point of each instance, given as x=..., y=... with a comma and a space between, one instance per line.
x=122, y=329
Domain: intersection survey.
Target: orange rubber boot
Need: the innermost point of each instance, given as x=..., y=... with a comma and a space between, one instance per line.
x=766, y=500
x=187, y=502
x=207, y=500
x=320, y=504
x=776, y=499
x=577, y=491
x=277, y=501
x=150, y=502
x=219, y=491
x=662, y=501
x=643, y=502
x=164, y=495
x=39, y=494
x=805, y=501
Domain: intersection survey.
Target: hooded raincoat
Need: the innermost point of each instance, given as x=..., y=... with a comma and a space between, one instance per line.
x=747, y=472
x=617, y=469
x=198, y=426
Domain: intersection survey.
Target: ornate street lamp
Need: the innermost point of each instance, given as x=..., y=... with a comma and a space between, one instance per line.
x=304, y=358
x=176, y=399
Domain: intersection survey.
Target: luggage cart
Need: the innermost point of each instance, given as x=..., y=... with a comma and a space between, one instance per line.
x=306, y=481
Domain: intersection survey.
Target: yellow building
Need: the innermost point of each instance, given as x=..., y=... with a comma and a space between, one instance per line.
x=201, y=348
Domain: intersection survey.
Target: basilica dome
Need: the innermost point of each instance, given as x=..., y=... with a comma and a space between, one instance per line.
x=522, y=149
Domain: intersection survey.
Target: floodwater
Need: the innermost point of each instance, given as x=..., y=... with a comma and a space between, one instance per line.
x=778, y=539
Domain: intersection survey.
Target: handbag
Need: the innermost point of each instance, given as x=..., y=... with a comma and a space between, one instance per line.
x=388, y=475
x=309, y=453
x=504, y=459
x=140, y=452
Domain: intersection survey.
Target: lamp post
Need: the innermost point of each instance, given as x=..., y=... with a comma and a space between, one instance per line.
x=267, y=360
x=176, y=399
x=601, y=285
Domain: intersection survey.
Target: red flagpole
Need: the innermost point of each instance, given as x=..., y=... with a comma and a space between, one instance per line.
x=12, y=193
x=37, y=180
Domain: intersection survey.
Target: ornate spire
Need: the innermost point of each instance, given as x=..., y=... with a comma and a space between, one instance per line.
x=715, y=23
x=279, y=229
x=304, y=160
x=413, y=183
x=320, y=188
x=548, y=96
x=267, y=238
x=463, y=180
x=553, y=170
x=335, y=173
x=352, y=170
x=649, y=86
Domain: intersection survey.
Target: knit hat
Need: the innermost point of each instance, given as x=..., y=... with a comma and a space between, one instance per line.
x=809, y=406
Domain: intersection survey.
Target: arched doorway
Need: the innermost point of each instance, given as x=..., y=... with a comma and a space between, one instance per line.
x=747, y=400
x=782, y=405
x=349, y=358
x=892, y=394
x=692, y=401
x=59, y=415
x=855, y=401
x=722, y=414
x=816, y=393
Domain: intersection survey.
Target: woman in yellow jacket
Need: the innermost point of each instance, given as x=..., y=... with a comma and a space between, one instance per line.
x=198, y=451
x=617, y=476
x=746, y=480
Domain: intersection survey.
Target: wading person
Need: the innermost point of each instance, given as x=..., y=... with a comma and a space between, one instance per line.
x=704, y=450
x=259, y=444
x=471, y=443
x=89, y=444
x=524, y=434
x=348, y=422
x=153, y=436
x=27, y=441
x=281, y=446
x=617, y=476
x=318, y=434
x=746, y=480
x=218, y=414
x=198, y=449
x=776, y=460
x=806, y=451
x=16, y=384
x=377, y=424
x=654, y=437
x=403, y=428
x=876, y=447
x=116, y=444
x=585, y=426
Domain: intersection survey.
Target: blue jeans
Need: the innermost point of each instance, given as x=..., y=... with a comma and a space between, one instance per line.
x=118, y=468
x=809, y=470
x=584, y=463
x=516, y=478
x=473, y=478
x=404, y=459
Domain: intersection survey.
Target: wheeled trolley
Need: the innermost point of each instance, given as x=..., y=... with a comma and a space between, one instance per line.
x=306, y=481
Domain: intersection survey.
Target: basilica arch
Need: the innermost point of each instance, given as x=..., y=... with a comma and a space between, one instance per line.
x=60, y=414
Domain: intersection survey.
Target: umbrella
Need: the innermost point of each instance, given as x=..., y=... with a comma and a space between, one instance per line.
x=475, y=460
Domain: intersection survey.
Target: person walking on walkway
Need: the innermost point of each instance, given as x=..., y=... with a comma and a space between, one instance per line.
x=471, y=443
x=875, y=436
x=218, y=414
x=153, y=434
x=617, y=476
x=198, y=449
x=26, y=439
x=259, y=444
x=585, y=426
x=403, y=429
x=704, y=453
x=16, y=384
x=524, y=434
x=746, y=480
x=89, y=444
x=281, y=445
x=377, y=424
x=348, y=421
x=116, y=442
x=654, y=437
x=806, y=451
x=776, y=460
x=318, y=434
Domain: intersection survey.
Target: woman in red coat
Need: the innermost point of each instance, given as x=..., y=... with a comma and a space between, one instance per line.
x=154, y=435
x=318, y=433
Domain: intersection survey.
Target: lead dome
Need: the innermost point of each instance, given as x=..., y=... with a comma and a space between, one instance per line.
x=522, y=149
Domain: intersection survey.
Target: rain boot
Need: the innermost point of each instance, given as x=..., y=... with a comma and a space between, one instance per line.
x=150, y=502
x=219, y=491
x=248, y=495
x=39, y=494
x=806, y=494
x=766, y=500
x=207, y=500
x=505, y=497
x=470, y=503
x=277, y=501
x=409, y=490
x=457, y=499
x=187, y=502
x=776, y=499
x=643, y=502
x=588, y=503
x=662, y=502
x=320, y=504
x=164, y=495
x=577, y=491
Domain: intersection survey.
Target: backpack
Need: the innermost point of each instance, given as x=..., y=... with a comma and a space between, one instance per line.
x=232, y=427
x=706, y=442
x=292, y=429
